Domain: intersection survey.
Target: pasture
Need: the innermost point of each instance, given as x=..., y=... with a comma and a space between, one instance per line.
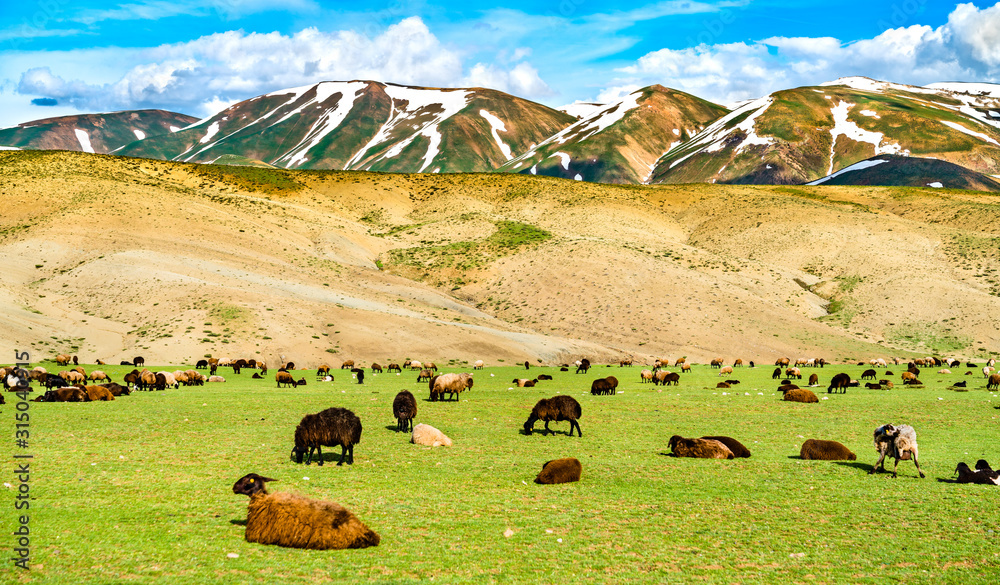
x=139, y=489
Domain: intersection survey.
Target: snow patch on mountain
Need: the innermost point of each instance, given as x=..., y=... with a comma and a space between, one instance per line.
x=497, y=126
x=212, y=131
x=139, y=134
x=175, y=129
x=563, y=158
x=875, y=86
x=713, y=138
x=983, y=89
x=580, y=109
x=844, y=127
x=865, y=164
x=973, y=133
x=328, y=122
x=84, y=140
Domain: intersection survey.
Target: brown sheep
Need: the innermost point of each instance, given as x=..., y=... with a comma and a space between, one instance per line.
x=117, y=389
x=671, y=378
x=685, y=368
x=284, y=378
x=646, y=376
x=680, y=361
x=323, y=370
x=725, y=371
x=700, y=448
x=68, y=394
x=451, y=384
x=819, y=450
x=908, y=376
x=331, y=427
x=524, y=382
x=544, y=377
x=560, y=471
x=376, y=368
x=298, y=522
x=782, y=362
x=347, y=365
x=793, y=373
x=813, y=380
x=993, y=382
x=717, y=363
x=394, y=367
x=800, y=395
x=404, y=408
x=722, y=385
x=96, y=393
x=424, y=375
x=430, y=366
x=147, y=380
x=63, y=359
x=555, y=409
x=738, y=363
x=739, y=450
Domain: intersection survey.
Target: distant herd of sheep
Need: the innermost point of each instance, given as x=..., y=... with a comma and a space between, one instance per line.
x=295, y=521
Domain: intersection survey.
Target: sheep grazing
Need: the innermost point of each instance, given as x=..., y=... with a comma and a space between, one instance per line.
x=295, y=521
x=982, y=475
x=200, y=365
x=281, y=378
x=739, y=450
x=560, y=471
x=603, y=386
x=813, y=380
x=699, y=448
x=896, y=442
x=63, y=359
x=478, y=365
x=404, y=409
x=820, y=450
x=993, y=382
x=424, y=375
x=434, y=368
x=839, y=382
x=646, y=376
x=394, y=368
x=329, y=428
x=582, y=366
x=323, y=371
x=347, y=365
x=429, y=436
x=800, y=395
x=725, y=371
x=524, y=382
x=685, y=368
x=452, y=384
x=376, y=368
x=99, y=375
x=555, y=409
x=776, y=374
x=359, y=374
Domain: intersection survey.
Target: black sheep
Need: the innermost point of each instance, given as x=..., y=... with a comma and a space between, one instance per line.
x=557, y=408
x=839, y=382
x=560, y=471
x=404, y=408
x=360, y=373
x=983, y=474
x=738, y=449
x=329, y=428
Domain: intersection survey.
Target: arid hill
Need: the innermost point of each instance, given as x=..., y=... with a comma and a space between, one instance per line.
x=112, y=257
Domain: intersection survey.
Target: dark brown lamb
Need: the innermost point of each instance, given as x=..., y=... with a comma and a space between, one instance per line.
x=560, y=471
x=329, y=428
x=820, y=450
x=555, y=409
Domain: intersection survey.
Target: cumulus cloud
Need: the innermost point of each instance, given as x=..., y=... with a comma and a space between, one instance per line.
x=967, y=47
x=202, y=75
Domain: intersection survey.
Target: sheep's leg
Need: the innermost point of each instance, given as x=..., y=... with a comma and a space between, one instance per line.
x=895, y=465
x=880, y=461
x=918, y=466
x=547, y=431
x=319, y=454
x=572, y=424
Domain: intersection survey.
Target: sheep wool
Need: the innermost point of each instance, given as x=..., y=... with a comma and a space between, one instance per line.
x=820, y=450
x=560, y=471
x=739, y=449
x=296, y=521
x=699, y=448
x=424, y=434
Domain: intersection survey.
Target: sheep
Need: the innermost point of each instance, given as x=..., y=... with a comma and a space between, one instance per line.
x=360, y=374
x=983, y=475
x=699, y=448
x=560, y=471
x=323, y=370
x=722, y=385
x=716, y=363
x=63, y=359
x=738, y=363
x=782, y=362
x=138, y=361
x=725, y=371
x=820, y=450
x=601, y=386
x=201, y=365
x=394, y=368
x=732, y=382
x=404, y=408
x=195, y=378
x=72, y=377
x=839, y=382
x=993, y=382
x=182, y=377
x=117, y=389
x=582, y=365
x=415, y=365
x=680, y=360
x=453, y=384
x=376, y=368
x=873, y=386
x=96, y=393
x=625, y=362
x=685, y=368
x=68, y=394
x=527, y=365
x=478, y=365
x=738, y=449
x=295, y=521
x=671, y=378
x=800, y=395
x=555, y=409
x=646, y=376
x=961, y=384
x=424, y=375
x=347, y=365
x=897, y=442
x=813, y=380
x=776, y=374
x=794, y=373
x=908, y=376
x=331, y=427
x=786, y=387
x=169, y=379
x=429, y=436
x=430, y=366
x=869, y=374
x=660, y=377
x=216, y=379
x=544, y=377
x=282, y=378
x=524, y=382
x=944, y=371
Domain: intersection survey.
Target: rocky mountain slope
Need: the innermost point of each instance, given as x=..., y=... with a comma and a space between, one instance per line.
x=890, y=170
x=99, y=133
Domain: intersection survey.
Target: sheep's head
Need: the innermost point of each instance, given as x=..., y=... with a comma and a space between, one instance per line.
x=672, y=443
x=251, y=484
x=530, y=424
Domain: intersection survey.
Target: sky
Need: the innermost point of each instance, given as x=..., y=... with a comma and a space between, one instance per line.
x=61, y=57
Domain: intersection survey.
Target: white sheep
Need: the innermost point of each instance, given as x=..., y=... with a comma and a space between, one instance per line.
x=896, y=442
x=424, y=434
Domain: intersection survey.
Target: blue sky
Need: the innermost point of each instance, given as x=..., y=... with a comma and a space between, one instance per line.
x=60, y=57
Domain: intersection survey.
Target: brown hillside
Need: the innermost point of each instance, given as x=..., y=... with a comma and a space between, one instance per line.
x=121, y=257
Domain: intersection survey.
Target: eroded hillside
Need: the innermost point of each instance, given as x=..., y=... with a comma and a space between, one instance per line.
x=112, y=257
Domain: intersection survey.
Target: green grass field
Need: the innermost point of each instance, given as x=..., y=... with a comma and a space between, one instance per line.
x=139, y=490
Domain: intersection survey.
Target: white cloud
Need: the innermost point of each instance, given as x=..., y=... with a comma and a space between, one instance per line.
x=199, y=75
x=967, y=47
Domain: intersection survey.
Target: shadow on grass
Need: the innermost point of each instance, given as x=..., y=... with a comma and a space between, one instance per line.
x=238, y=522
x=858, y=465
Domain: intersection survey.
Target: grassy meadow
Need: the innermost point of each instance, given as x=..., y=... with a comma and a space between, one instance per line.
x=139, y=490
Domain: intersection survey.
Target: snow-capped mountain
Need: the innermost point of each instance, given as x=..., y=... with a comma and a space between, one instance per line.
x=800, y=135
x=366, y=125
x=620, y=142
x=98, y=133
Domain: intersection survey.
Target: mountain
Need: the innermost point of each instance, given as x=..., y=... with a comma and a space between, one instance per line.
x=366, y=125
x=100, y=133
x=890, y=170
x=619, y=142
x=800, y=135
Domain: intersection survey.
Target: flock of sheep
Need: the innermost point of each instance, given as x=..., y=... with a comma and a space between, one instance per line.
x=296, y=521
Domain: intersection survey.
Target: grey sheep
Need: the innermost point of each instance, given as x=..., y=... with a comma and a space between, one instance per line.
x=896, y=442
